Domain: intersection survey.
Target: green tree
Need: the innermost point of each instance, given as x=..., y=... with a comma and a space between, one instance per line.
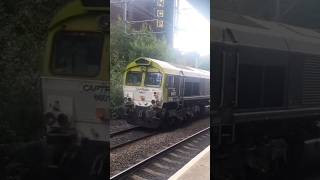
x=126, y=47
x=23, y=32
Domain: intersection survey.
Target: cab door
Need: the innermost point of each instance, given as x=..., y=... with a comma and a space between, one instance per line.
x=225, y=76
x=173, y=82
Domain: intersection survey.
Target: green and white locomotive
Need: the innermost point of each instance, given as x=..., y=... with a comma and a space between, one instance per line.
x=75, y=77
x=160, y=94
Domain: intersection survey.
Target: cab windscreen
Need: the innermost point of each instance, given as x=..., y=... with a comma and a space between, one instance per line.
x=153, y=79
x=77, y=53
x=134, y=78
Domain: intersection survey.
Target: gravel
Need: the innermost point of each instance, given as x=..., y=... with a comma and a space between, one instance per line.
x=126, y=156
x=129, y=136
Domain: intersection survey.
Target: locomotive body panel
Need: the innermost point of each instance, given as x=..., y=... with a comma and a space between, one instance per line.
x=264, y=69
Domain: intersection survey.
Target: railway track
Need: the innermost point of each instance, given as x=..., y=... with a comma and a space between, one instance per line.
x=112, y=134
x=168, y=161
x=127, y=136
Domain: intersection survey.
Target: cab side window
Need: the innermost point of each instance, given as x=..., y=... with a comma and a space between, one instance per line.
x=170, y=81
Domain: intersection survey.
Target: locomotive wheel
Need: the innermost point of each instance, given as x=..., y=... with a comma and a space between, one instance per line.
x=98, y=167
x=167, y=121
x=69, y=164
x=179, y=120
x=196, y=111
x=188, y=116
x=92, y=161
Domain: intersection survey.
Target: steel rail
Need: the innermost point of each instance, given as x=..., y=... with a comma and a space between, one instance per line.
x=136, y=167
x=112, y=147
x=112, y=134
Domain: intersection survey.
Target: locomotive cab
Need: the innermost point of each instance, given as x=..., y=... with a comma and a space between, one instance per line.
x=148, y=85
x=143, y=90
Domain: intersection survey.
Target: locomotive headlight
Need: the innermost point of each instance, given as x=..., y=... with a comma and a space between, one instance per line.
x=153, y=102
x=128, y=98
x=156, y=95
x=63, y=120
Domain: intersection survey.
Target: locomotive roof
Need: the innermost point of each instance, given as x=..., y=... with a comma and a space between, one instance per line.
x=245, y=30
x=77, y=8
x=170, y=68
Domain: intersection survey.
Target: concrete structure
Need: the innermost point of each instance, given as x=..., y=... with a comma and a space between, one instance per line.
x=198, y=168
x=161, y=16
x=158, y=15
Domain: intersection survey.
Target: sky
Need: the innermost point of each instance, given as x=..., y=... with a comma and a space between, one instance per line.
x=193, y=31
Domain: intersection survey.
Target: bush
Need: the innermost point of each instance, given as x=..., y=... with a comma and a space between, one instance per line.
x=23, y=33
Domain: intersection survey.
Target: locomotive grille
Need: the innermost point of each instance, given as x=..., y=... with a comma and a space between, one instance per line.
x=311, y=79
